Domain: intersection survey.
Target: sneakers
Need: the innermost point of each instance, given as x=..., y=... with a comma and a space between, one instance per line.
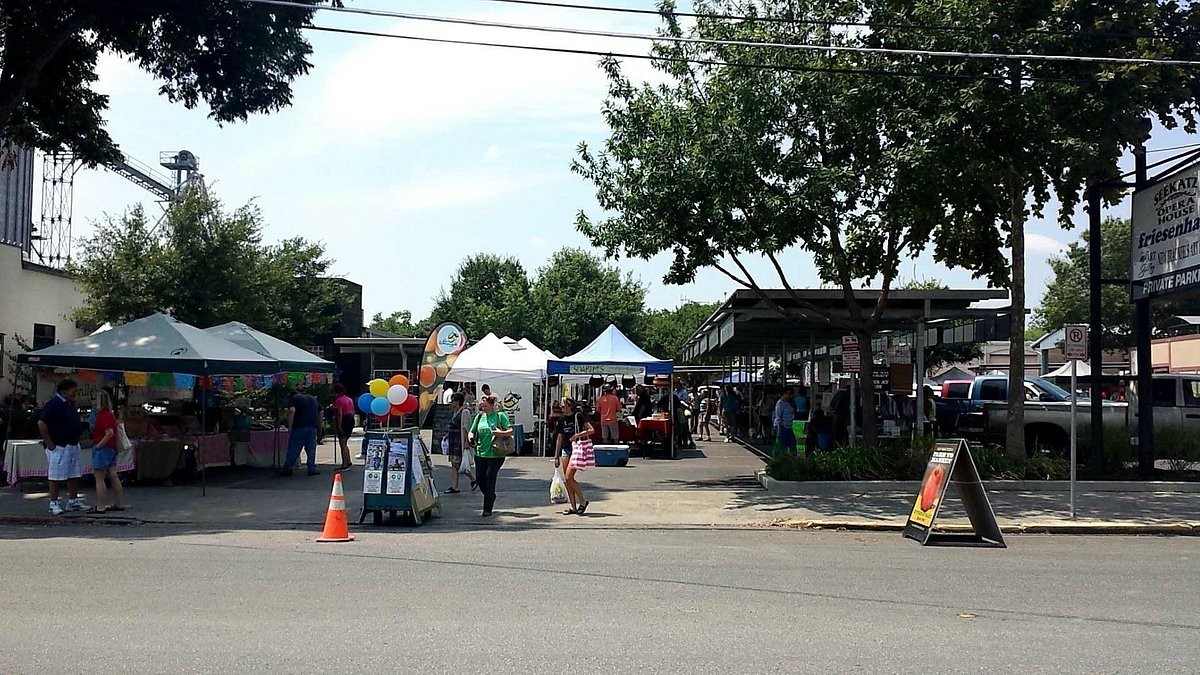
x=56, y=509
x=76, y=505
x=314, y=472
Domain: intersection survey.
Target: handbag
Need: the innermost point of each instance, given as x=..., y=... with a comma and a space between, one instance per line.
x=583, y=454
x=123, y=442
x=504, y=446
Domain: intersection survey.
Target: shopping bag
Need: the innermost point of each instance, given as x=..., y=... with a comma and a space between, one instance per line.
x=583, y=454
x=123, y=442
x=467, y=467
x=446, y=444
x=558, y=487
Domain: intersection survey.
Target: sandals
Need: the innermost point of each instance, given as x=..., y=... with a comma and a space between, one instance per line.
x=452, y=491
x=583, y=509
x=571, y=511
x=116, y=508
x=474, y=485
x=96, y=510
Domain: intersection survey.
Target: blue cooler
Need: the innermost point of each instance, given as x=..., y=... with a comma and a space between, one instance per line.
x=612, y=455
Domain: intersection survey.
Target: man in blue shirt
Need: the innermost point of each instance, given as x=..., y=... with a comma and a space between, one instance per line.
x=782, y=420
x=61, y=427
x=304, y=416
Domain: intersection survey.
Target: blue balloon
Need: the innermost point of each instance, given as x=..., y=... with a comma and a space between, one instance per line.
x=380, y=406
x=364, y=402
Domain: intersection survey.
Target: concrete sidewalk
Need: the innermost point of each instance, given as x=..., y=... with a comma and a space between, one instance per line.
x=713, y=486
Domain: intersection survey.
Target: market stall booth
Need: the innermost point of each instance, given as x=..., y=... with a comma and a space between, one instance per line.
x=612, y=354
x=515, y=372
x=257, y=446
x=168, y=378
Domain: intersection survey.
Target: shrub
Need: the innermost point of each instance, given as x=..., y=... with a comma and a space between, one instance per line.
x=904, y=461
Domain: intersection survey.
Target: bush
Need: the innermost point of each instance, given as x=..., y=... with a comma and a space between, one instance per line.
x=904, y=461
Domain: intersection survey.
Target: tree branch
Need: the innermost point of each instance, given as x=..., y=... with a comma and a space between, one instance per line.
x=18, y=77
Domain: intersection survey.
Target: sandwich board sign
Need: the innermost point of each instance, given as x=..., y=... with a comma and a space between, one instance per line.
x=951, y=462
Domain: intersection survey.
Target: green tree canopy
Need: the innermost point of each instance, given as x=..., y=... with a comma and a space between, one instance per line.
x=724, y=163
x=240, y=58
x=400, y=323
x=576, y=296
x=207, y=266
x=488, y=294
x=663, y=332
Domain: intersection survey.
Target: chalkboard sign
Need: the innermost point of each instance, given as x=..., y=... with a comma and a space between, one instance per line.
x=441, y=419
x=952, y=462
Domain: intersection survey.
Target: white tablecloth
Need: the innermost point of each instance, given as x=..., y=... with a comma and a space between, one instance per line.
x=27, y=459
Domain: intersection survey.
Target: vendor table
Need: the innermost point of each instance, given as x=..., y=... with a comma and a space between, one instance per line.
x=650, y=428
x=158, y=459
x=27, y=459
x=262, y=449
x=211, y=449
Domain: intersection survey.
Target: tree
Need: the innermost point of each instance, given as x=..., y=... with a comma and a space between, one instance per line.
x=575, y=297
x=664, y=332
x=1066, y=299
x=401, y=324
x=1019, y=133
x=724, y=162
x=488, y=294
x=207, y=266
x=238, y=57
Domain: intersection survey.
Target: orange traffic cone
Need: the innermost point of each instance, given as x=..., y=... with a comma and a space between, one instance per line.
x=337, y=528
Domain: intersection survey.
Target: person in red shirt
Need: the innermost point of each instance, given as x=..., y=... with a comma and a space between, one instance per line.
x=343, y=409
x=610, y=414
x=104, y=457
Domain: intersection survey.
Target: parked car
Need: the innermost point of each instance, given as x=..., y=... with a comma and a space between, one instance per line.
x=961, y=404
x=1048, y=423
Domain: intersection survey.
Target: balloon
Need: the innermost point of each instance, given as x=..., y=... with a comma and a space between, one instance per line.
x=382, y=418
x=396, y=394
x=364, y=402
x=399, y=380
x=409, y=406
x=380, y=406
x=396, y=410
x=378, y=387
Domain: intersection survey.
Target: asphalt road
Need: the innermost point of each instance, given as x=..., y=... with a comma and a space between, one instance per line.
x=526, y=600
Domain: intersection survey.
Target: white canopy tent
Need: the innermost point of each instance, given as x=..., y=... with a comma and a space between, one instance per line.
x=491, y=359
x=1082, y=369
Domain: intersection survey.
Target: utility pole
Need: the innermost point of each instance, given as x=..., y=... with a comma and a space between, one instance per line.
x=1095, y=329
x=1144, y=335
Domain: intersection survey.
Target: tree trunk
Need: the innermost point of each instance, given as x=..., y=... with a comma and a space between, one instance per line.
x=1015, y=433
x=866, y=389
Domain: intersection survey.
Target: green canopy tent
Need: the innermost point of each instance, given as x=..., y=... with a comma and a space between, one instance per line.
x=290, y=357
x=156, y=344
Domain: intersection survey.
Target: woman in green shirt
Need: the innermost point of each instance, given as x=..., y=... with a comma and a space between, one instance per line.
x=489, y=426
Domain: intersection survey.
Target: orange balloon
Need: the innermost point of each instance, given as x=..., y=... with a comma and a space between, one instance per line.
x=428, y=376
x=398, y=380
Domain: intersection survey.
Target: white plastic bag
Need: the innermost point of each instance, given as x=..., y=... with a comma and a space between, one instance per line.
x=123, y=442
x=558, y=487
x=467, y=467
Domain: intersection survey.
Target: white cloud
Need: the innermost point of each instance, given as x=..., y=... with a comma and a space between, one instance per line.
x=540, y=242
x=1040, y=244
x=493, y=153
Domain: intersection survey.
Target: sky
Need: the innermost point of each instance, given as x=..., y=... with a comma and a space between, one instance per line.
x=405, y=157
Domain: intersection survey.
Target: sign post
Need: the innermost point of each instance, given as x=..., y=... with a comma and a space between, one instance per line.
x=852, y=363
x=1075, y=348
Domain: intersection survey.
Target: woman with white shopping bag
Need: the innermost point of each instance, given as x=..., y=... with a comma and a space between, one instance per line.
x=573, y=452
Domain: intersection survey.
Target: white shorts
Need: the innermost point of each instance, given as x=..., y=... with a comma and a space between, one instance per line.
x=63, y=463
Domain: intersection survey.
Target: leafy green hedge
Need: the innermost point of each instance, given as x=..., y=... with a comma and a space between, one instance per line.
x=900, y=461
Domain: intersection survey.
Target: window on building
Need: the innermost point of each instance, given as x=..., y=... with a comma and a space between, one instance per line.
x=317, y=351
x=43, y=336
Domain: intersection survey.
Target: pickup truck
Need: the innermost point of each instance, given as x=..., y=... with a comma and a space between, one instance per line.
x=1048, y=424
x=962, y=401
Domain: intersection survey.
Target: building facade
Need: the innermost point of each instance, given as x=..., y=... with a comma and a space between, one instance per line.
x=36, y=302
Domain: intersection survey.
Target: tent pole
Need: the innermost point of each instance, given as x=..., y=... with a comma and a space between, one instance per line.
x=199, y=449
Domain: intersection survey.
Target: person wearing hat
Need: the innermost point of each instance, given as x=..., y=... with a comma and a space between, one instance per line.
x=610, y=414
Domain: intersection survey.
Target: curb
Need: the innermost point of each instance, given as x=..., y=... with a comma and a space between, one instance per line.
x=1101, y=528
x=840, y=488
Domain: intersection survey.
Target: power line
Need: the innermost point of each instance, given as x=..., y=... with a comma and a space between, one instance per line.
x=480, y=23
x=828, y=23
x=1177, y=147
x=703, y=62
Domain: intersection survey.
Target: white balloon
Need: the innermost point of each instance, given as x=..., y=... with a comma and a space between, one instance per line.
x=397, y=394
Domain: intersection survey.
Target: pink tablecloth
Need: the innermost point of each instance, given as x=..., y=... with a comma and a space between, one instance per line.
x=261, y=450
x=27, y=459
x=211, y=449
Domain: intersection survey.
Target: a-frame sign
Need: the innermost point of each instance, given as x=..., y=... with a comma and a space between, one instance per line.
x=952, y=463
